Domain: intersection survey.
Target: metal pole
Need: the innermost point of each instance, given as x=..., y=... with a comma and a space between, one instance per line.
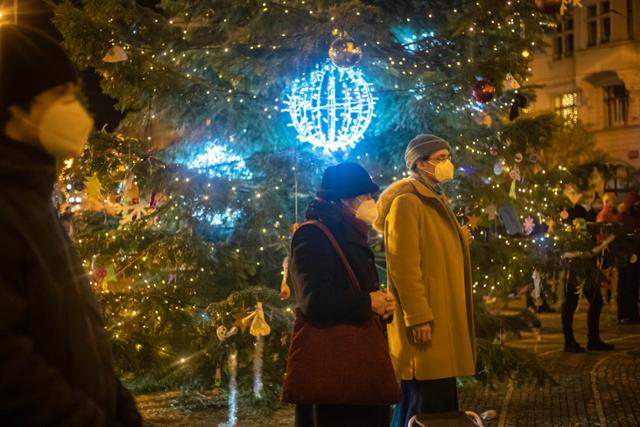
x=15, y=11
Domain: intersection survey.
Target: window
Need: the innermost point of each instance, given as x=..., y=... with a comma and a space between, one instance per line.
x=566, y=106
x=620, y=182
x=599, y=23
x=616, y=102
x=563, y=41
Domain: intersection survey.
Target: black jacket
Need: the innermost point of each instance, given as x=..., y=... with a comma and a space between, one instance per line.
x=56, y=366
x=320, y=281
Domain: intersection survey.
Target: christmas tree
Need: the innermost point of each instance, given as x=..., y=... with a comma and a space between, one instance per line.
x=234, y=108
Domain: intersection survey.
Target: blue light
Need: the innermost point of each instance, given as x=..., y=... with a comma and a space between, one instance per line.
x=332, y=108
x=411, y=40
x=220, y=162
x=225, y=219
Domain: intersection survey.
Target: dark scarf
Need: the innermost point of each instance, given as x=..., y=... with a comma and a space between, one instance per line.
x=433, y=187
x=337, y=217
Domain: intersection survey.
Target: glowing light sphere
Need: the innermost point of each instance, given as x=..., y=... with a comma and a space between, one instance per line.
x=219, y=161
x=332, y=108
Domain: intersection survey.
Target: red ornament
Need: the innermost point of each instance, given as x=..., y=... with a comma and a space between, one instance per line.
x=483, y=91
x=548, y=6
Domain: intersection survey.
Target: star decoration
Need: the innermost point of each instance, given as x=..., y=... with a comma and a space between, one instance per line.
x=474, y=220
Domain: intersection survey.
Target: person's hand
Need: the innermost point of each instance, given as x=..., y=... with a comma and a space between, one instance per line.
x=382, y=302
x=391, y=303
x=467, y=233
x=422, y=333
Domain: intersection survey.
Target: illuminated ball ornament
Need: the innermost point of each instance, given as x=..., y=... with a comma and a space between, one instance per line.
x=483, y=91
x=331, y=108
x=548, y=6
x=344, y=52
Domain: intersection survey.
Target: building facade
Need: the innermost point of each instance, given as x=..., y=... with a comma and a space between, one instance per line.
x=591, y=71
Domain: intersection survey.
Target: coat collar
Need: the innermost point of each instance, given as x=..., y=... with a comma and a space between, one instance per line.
x=398, y=188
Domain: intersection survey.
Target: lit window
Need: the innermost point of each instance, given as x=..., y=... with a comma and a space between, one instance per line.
x=566, y=106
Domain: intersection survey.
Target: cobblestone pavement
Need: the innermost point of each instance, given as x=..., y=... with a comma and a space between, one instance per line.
x=592, y=389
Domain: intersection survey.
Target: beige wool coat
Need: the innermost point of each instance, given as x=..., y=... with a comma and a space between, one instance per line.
x=429, y=272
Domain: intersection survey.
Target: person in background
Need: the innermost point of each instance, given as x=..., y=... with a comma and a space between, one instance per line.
x=608, y=213
x=431, y=337
x=56, y=366
x=629, y=274
x=323, y=292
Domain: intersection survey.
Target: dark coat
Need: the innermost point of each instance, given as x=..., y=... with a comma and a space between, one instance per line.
x=56, y=366
x=324, y=295
x=321, y=283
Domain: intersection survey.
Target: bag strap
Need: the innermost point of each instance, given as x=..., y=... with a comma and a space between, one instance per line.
x=325, y=230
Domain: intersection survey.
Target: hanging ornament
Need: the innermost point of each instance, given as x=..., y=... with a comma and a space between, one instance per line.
x=223, y=334
x=238, y=319
x=259, y=326
x=493, y=150
x=551, y=225
x=344, y=52
x=528, y=225
x=498, y=167
x=519, y=104
x=509, y=217
x=285, y=291
x=519, y=157
x=483, y=91
x=474, y=221
x=93, y=188
x=533, y=158
x=115, y=54
x=217, y=382
x=566, y=3
x=564, y=214
x=514, y=173
x=332, y=108
x=492, y=212
x=510, y=83
x=548, y=6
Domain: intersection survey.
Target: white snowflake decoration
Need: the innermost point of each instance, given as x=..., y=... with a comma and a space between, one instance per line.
x=332, y=108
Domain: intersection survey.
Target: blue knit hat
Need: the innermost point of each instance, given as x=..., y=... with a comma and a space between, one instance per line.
x=423, y=146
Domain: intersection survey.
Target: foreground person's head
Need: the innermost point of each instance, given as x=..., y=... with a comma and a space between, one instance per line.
x=38, y=93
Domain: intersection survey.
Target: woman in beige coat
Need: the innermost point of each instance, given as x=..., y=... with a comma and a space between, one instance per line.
x=431, y=338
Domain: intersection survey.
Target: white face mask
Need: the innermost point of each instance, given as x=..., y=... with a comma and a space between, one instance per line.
x=367, y=211
x=64, y=128
x=443, y=171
